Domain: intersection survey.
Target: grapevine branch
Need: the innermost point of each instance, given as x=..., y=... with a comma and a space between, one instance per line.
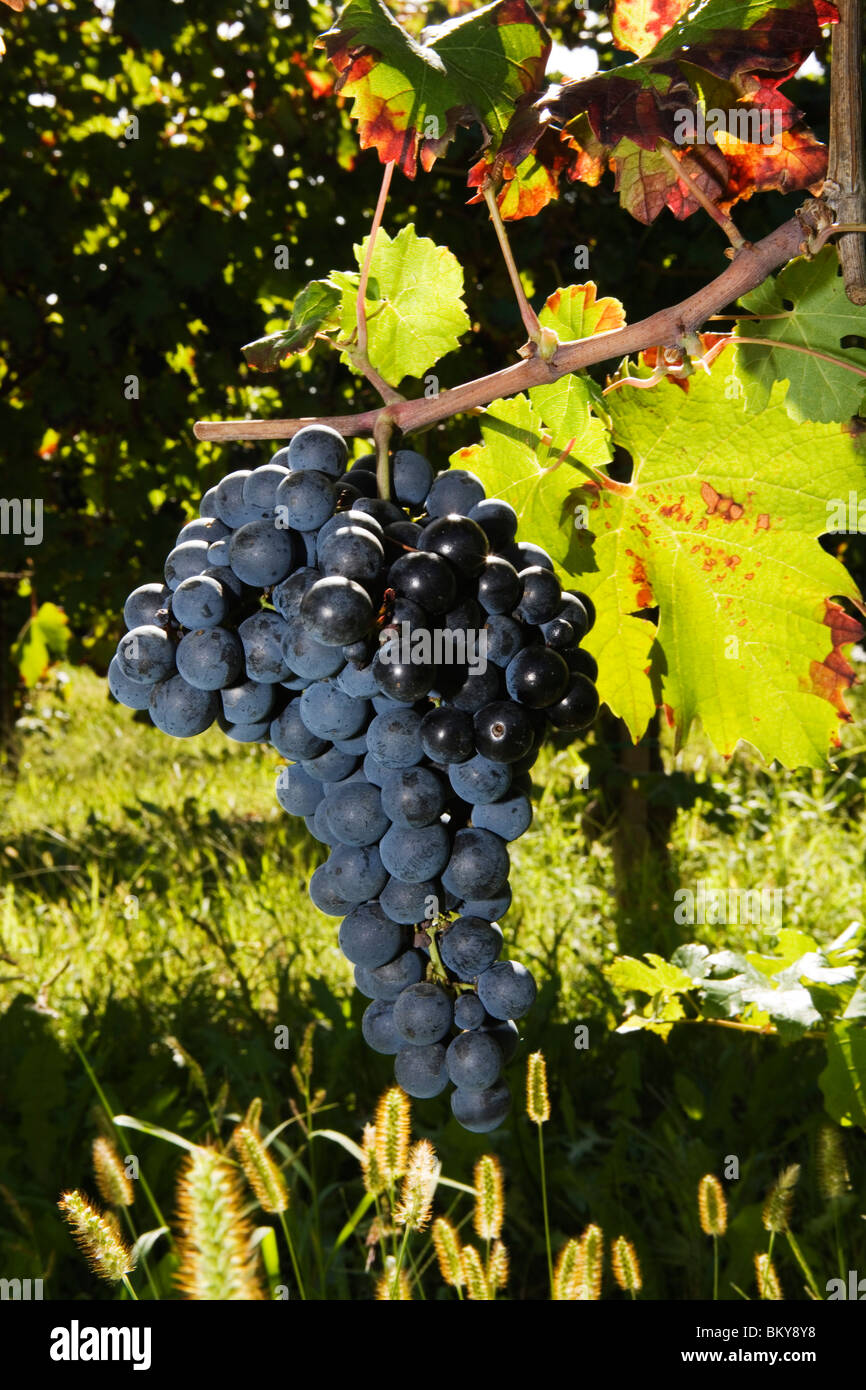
x=845, y=188
x=663, y=329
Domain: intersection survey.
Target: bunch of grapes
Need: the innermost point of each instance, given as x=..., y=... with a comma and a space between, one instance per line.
x=406, y=657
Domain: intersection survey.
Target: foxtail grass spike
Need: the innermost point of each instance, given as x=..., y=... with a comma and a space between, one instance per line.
x=593, y=1257
x=626, y=1265
x=497, y=1268
x=537, y=1101
x=115, y=1188
x=419, y=1185
x=712, y=1206
x=447, y=1247
x=777, y=1208
x=489, y=1198
x=393, y=1120
x=262, y=1173
x=393, y=1285
x=216, y=1260
x=473, y=1273
x=833, y=1178
x=568, y=1277
x=98, y=1236
x=374, y=1180
x=253, y=1117
x=768, y=1280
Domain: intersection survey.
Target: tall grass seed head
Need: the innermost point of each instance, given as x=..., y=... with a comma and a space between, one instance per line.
x=712, y=1206
x=489, y=1186
x=98, y=1236
x=115, y=1186
x=393, y=1125
x=537, y=1099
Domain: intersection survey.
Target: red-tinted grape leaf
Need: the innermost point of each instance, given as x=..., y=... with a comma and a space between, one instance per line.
x=408, y=97
x=815, y=313
x=638, y=25
x=631, y=108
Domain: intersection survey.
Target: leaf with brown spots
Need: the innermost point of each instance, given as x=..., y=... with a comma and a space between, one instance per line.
x=409, y=96
x=718, y=529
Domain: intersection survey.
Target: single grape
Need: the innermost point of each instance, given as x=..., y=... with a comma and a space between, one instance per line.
x=481, y=1111
x=324, y=895
x=459, y=541
x=184, y=561
x=480, y=780
x=262, y=637
x=504, y=731
x=421, y=1071
x=245, y=733
x=504, y=639
x=536, y=677
x=413, y=797
x=369, y=938
x=260, y=488
x=147, y=654
x=357, y=681
x=469, y=1012
x=358, y=872
x=423, y=1014
x=248, y=702
x=412, y=477
x=478, y=867
x=497, y=520
x=474, y=1061
x=378, y=1030
x=355, y=814
x=507, y=990
x=478, y=689
x=415, y=855
x=470, y=946
x=388, y=981
x=308, y=657
x=330, y=766
x=577, y=708
x=199, y=602
x=353, y=553
x=219, y=552
x=318, y=447
x=573, y=610
x=336, y=610
x=508, y=818
x=306, y=500
x=297, y=792
x=447, y=735
x=262, y=553
x=499, y=587
x=130, y=693
x=206, y=528
x=353, y=517
x=559, y=634
x=144, y=603
x=394, y=738
x=581, y=663
x=291, y=737
x=507, y=1036
x=229, y=501
x=410, y=903
x=489, y=909
x=288, y=596
x=455, y=490
x=541, y=595
x=425, y=578
x=207, y=506
x=329, y=713
x=405, y=682
x=530, y=555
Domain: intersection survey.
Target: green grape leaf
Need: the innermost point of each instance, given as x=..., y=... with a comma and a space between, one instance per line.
x=843, y=1080
x=789, y=1007
x=415, y=309
x=815, y=312
x=632, y=975
x=45, y=638
x=315, y=311
x=720, y=531
x=409, y=97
